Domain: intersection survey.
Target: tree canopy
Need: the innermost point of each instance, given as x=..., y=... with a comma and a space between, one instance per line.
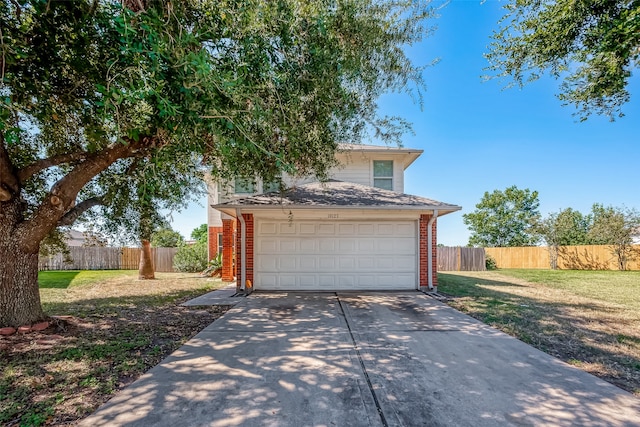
x=166, y=238
x=504, y=218
x=96, y=96
x=200, y=233
x=594, y=46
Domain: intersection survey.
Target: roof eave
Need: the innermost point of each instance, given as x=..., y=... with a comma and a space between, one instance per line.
x=442, y=210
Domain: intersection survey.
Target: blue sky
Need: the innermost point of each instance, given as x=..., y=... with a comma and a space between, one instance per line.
x=478, y=137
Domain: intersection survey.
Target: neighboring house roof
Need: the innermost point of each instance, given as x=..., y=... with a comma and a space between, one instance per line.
x=75, y=238
x=336, y=195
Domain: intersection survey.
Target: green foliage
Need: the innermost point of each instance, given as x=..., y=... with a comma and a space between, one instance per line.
x=615, y=227
x=201, y=233
x=592, y=45
x=504, y=218
x=490, y=263
x=121, y=106
x=166, y=238
x=251, y=88
x=191, y=258
x=564, y=228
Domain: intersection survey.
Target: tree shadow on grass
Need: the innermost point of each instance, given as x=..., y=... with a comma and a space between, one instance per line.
x=581, y=333
x=66, y=371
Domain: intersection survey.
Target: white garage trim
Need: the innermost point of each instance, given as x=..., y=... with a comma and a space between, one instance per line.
x=335, y=255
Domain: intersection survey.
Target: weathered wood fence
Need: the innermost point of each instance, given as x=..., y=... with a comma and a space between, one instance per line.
x=101, y=258
x=461, y=259
x=593, y=257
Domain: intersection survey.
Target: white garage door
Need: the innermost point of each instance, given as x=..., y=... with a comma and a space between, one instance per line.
x=344, y=255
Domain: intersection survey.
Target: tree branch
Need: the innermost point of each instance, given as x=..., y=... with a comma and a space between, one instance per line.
x=42, y=164
x=9, y=185
x=64, y=192
x=71, y=216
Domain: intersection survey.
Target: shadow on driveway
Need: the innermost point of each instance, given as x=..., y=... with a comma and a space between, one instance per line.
x=375, y=359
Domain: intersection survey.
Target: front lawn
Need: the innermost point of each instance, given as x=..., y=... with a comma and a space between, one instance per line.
x=590, y=319
x=113, y=328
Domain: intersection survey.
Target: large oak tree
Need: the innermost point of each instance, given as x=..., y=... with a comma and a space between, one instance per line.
x=92, y=90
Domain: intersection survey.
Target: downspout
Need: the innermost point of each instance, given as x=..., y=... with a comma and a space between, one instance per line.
x=243, y=252
x=430, y=252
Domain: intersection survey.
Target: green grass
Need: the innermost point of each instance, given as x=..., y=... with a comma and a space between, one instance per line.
x=587, y=318
x=619, y=287
x=65, y=279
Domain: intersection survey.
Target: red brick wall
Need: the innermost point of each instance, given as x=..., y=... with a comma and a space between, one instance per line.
x=228, y=273
x=424, y=251
x=248, y=219
x=213, y=241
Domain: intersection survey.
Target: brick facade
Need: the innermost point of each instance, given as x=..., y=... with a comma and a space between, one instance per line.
x=248, y=219
x=228, y=272
x=424, y=251
x=213, y=241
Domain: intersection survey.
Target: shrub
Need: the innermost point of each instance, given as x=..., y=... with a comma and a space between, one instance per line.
x=490, y=263
x=191, y=258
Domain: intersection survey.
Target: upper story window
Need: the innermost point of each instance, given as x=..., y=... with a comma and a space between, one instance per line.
x=270, y=186
x=383, y=174
x=244, y=186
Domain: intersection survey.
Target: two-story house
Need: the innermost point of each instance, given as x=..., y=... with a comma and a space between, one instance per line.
x=358, y=231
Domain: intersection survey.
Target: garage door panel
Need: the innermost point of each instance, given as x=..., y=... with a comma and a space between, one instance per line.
x=404, y=230
x=268, y=246
x=288, y=246
x=288, y=264
x=327, y=263
x=366, y=263
x=268, y=264
x=367, y=245
x=346, y=229
x=308, y=263
x=327, y=281
x=347, y=263
x=346, y=245
x=326, y=245
x=308, y=246
x=309, y=255
x=366, y=229
x=326, y=228
x=268, y=228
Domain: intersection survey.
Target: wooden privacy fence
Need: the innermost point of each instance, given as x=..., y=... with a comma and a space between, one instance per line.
x=101, y=258
x=592, y=257
x=461, y=259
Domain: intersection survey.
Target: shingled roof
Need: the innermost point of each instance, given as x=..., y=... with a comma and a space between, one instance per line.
x=338, y=194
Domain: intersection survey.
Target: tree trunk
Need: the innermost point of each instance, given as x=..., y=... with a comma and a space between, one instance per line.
x=146, y=269
x=19, y=293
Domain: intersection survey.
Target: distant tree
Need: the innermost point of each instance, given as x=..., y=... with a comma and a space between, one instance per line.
x=504, y=218
x=615, y=227
x=166, y=238
x=593, y=45
x=564, y=228
x=201, y=233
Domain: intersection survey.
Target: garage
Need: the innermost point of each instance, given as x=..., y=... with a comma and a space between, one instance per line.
x=332, y=236
x=335, y=255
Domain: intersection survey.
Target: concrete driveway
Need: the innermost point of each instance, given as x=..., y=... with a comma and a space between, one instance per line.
x=375, y=359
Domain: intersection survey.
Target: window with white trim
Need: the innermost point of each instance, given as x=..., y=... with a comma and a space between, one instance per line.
x=244, y=186
x=271, y=186
x=383, y=174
